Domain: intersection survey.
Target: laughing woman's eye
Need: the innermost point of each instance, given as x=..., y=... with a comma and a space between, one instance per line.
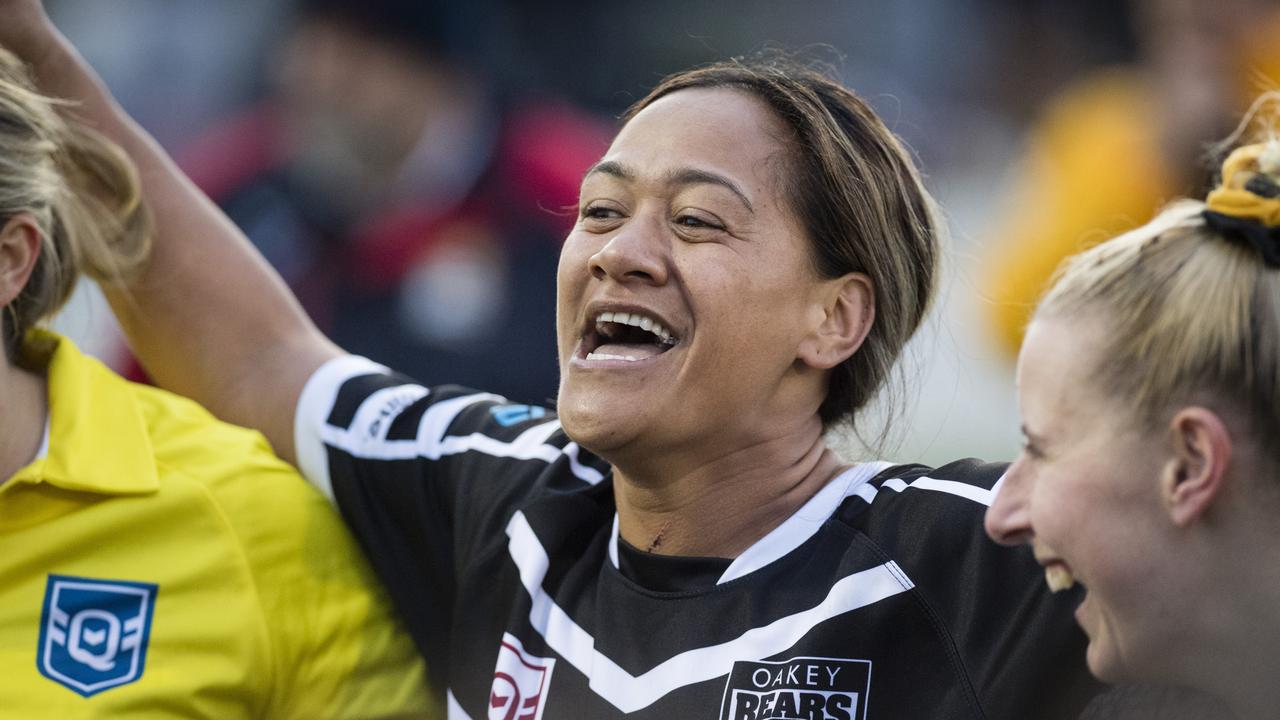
x=692, y=221
x=694, y=224
x=598, y=212
x=599, y=216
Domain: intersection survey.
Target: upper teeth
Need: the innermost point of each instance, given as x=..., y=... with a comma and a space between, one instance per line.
x=647, y=324
x=1058, y=578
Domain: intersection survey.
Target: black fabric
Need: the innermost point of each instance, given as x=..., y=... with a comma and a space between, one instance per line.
x=667, y=573
x=493, y=539
x=1266, y=240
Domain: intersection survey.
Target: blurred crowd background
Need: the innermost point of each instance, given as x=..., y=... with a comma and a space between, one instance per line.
x=409, y=166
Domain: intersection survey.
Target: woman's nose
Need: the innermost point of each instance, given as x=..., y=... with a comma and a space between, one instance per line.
x=1008, y=519
x=638, y=252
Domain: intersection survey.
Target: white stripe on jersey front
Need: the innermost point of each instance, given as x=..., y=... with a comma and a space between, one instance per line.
x=366, y=437
x=630, y=693
x=803, y=523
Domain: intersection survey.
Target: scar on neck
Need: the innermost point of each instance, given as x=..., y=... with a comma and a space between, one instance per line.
x=657, y=539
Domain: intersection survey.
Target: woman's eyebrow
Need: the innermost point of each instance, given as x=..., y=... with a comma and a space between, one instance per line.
x=679, y=176
x=610, y=167
x=693, y=176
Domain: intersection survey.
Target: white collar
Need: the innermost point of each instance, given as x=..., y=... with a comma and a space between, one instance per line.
x=793, y=531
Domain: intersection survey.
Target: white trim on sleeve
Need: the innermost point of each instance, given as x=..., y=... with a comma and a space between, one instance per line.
x=314, y=406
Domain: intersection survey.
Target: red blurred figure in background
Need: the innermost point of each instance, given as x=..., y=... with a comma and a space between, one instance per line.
x=416, y=214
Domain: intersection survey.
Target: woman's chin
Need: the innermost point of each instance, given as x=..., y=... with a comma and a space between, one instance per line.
x=1105, y=664
x=595, y=426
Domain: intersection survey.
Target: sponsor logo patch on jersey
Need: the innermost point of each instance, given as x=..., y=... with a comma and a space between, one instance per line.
x=508, y=415
x=520, y=683
x=94, y=633
x=802, y=688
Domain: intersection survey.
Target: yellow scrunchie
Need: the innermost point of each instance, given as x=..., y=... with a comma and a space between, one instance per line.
x=1230, y=198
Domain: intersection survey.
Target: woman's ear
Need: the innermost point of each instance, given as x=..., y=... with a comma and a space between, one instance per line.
x=19, y=250
x=845, y=308
x=1196, y=471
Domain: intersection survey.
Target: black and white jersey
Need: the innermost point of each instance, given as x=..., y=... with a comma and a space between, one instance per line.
x=881, y=598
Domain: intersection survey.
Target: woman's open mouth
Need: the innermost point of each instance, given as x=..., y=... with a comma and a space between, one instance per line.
x=625, y=336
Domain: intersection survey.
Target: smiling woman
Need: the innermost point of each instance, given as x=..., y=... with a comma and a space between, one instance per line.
x=750, y=255
x=1149, y=383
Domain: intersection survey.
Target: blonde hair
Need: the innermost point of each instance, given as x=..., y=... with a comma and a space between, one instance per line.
x=80, y=189
x=1190, y=314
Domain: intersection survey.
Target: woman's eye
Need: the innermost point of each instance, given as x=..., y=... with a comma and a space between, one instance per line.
x=599, y=212
x=600, y=217
x=695, y=222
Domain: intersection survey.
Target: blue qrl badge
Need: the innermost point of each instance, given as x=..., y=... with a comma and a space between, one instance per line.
x=93, y=633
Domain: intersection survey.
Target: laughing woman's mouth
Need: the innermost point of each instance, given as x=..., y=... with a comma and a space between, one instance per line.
x=626, y=336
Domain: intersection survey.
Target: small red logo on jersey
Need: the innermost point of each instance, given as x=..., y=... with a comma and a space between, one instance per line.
x=520, y=683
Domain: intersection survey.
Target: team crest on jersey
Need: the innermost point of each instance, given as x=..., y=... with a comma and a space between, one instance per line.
x=93, y=633
x=802, y=688
x=520, y=683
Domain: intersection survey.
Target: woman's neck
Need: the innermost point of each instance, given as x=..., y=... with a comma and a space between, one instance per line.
x=1245, y=677
x=1228, y=644
x=23, y=410
x=721, y=507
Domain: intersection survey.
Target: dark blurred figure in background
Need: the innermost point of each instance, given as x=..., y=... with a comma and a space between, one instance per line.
x=1114, y=147
x=415, y=211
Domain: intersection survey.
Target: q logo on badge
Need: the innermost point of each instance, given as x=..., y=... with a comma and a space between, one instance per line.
x=93, y=633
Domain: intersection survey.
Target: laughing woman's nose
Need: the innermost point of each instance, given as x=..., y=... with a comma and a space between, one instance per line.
x=639, y=252
x=1008, y=519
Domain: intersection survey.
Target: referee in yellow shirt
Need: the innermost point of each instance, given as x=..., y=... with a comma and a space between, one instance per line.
x=156, y=562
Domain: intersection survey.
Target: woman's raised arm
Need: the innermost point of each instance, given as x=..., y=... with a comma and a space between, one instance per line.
x=207, y=317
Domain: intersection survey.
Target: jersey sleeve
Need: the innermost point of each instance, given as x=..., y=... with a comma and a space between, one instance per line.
x=427, y=478
x=336, y=648
x=1017, y=643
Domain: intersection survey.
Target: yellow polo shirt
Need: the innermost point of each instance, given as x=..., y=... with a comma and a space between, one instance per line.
x=156, y=563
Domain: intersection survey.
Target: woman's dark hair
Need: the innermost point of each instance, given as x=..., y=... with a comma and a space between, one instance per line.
x=855, y=189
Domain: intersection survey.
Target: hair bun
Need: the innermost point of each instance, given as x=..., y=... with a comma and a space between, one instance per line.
x=1269, y=158
x=1250, y=187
